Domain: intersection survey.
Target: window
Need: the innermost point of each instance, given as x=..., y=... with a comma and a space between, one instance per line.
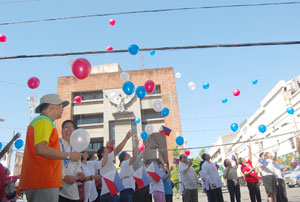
x=95, y=143
x=292, y=143
x=92, y=95
x=156, y=91
x=150, y=114
x=88, y=119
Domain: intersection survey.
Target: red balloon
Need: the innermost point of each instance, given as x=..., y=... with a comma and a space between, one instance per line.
x=109, y=48
x=112, y=22
x=236, y=92
x=2, y=38
x=187, y=152
x=149, y=86
x=77, y=99
x=33, y=82
x=110, y=148
x=141, y=147
x=81, y=68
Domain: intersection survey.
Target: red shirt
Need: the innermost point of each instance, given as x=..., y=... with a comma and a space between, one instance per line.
x=251, y=177
x=2, y=181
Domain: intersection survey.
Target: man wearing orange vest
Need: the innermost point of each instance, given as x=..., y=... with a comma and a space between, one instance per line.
x=41, y=174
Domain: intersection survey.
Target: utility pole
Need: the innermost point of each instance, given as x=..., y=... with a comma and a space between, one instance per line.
x=9, y=153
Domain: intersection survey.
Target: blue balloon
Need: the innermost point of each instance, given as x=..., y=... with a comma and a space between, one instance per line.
x=120, y=153
x=133, y=49
x=144, y=135
x=205, y=85
x=262, y=128
x=254, y=82
x=152, y=52
x=224, y=100
x=165, y=112
x=234, y=127
x=290, y=110
x=0, y=145
x=19, y=143
x=140, y=92
x=179, y=140
x=137, y=120
x=128, y=88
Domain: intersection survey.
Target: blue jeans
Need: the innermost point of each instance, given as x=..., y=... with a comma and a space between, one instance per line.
x=126, y=195
x=108, y=198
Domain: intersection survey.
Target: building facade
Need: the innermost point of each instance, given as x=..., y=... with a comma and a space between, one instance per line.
x=282, y=127
x=107, y=113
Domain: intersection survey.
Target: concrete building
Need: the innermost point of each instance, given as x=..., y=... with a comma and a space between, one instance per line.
x=218, y=154
x=107, y=113
x=282, y=127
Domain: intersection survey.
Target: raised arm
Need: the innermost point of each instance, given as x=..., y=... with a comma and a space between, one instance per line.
x=122, y=144
x=250, y=152
x=7, y=147
x=105, y=156
x=237, y=159
x=168, y=174
x=134, y=156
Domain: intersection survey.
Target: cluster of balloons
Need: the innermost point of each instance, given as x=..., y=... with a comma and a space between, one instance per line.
x=78, y=99
x=81, y=68
x=290, y=110
x=179, y=140
x=2, y=38
x=19, y=143
x=33, y=82
x=80, y=140
x=129, y=88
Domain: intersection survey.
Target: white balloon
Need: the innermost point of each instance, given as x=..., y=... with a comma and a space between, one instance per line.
x=192, y=85
x=157, y=105
x=149, y=129
x=178, y=75
x=80, y=140
x=124, y=76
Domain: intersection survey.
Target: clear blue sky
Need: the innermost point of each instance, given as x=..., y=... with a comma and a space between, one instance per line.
x=224, y=68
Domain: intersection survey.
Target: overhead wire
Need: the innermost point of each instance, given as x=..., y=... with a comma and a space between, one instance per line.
x=282, y=43
x=153, y=11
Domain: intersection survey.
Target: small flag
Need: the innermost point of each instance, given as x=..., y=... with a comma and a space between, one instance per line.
x=261, y=160
x=154, y=172
x=165, y=130
x=234, y=159
x=295, y=161
x=141, y=178
x=113, y=182
x=176, y=161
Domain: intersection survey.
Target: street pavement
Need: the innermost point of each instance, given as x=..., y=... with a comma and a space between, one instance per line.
x=293, y=195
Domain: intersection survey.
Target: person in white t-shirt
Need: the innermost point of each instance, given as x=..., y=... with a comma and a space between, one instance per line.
x=107, y=165
x=158, y=189
x=213, y=180
x=203, y=178
x=126, y=173
x=281, y=188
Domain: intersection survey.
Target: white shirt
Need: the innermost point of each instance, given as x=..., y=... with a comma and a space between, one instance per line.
x=71, y=169
x=107, y=168
x=212, y=175
x=277, y=170
x=204, y=183
x=126, y=175
x=269, y=169
x=181, y=188
x=188, y=176
x=90, y=191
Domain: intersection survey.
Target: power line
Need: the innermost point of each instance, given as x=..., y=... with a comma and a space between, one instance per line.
x=157, y=48
x=153, y=11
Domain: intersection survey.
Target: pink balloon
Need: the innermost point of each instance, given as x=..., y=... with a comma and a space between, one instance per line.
x=236, y=92
x=77, y=99
x=112, y=22
x=187, y=152
x=149, y=86
x=2, y=38
x=33, y=82
x=109, y=48
x=141, y=147
x=81, y=68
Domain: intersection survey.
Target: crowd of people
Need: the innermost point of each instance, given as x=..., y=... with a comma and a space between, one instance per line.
x=52, y=171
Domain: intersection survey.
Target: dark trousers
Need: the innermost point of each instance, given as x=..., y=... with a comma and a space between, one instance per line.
x=142, y=195
x=108, y=198
x=234, y=191
x=281, y=191
x=126, y=195
x=63, y=199
x=169, y=197
x=215, y=195
x=254, y=191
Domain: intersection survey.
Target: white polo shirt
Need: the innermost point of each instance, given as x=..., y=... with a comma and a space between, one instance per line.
x=212, y=176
